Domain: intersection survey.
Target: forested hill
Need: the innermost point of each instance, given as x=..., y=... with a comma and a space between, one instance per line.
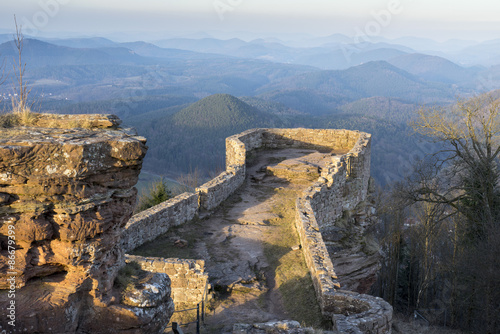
x=183, y=139
x=194, y=137
x=220, y=111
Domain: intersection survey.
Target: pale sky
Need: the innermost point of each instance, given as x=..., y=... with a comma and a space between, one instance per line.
x=438, y=19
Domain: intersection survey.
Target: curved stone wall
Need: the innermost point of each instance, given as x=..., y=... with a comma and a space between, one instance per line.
x=342, y=185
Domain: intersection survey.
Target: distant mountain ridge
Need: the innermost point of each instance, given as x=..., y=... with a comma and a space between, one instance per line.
x=434, y=68
x=377, y=78
x=37, y=54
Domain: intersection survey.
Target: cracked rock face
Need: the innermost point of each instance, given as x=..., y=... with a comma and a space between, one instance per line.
x=65, y=195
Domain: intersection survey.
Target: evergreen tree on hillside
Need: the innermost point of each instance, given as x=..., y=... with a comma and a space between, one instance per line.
x=157, y=193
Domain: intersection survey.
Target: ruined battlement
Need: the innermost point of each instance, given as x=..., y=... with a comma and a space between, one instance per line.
x=342, y=186
x=68, y=193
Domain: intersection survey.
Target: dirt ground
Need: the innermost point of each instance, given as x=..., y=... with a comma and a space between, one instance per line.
x=250, y=245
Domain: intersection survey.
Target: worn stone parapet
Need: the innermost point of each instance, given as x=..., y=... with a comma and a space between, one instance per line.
x=316, y=256
x=361, y=314
x=217, y=190
x=330, y=139
x=149, y=224
x=188, y=277
x=328, y=196
x=342, y=186
x=238, y=145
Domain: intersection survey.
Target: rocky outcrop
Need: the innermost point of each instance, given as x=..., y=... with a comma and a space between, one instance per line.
x=66, y=195
x=353, y=249
x=272, y=327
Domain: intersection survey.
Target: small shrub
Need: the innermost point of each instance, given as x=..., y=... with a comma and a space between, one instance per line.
x=127, y=275
x=157, y=193
x=8, y=120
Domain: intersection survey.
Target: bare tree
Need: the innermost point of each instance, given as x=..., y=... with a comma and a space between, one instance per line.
x=464, y=174
x=462, y=181
x=20, y=102
x=3, y=76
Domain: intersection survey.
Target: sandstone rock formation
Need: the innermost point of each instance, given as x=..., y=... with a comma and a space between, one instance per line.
x=353, y=248
x=66, y=195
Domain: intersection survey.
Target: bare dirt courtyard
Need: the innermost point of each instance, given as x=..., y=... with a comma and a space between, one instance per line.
x=250, y=245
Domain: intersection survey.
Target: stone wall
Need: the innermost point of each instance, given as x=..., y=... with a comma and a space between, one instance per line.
x=149, y=224
x=218, y=189
x=188, y=277
x=155, y=221
x=316, y=255
x=359, y=314
x=342, y=186
x=344, y=183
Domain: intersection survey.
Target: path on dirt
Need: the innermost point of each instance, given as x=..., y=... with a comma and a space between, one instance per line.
x=250, y=245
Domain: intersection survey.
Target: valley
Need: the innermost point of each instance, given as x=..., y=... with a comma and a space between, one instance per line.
x=186, y=96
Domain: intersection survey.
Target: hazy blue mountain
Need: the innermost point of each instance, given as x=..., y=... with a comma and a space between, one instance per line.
x=37, y=53
x=90, y=42
x=334, y=53
x=5, y=38
x=307, y=101
x=271, y=107
x=129, y=110
x=153, y=51
x=426, y=45
x=219, y=111
x=434, y=68
x=371, y=79
x=387, y=108
x=486, y=53
x=194, y=137
x=375, y=45
x=335, y=39
x=346, y=56
x=207, y=45
x=487, y=79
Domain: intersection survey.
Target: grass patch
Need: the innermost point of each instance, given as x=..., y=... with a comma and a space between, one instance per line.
x=32, y=119
x=9, y=120
x=291, y=274
x=163, y=246
x=127, y=276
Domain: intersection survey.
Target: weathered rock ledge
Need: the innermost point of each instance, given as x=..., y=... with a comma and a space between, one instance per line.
x=66, y=195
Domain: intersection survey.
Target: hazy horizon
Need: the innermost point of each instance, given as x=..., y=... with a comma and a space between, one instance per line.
x=154, y=19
